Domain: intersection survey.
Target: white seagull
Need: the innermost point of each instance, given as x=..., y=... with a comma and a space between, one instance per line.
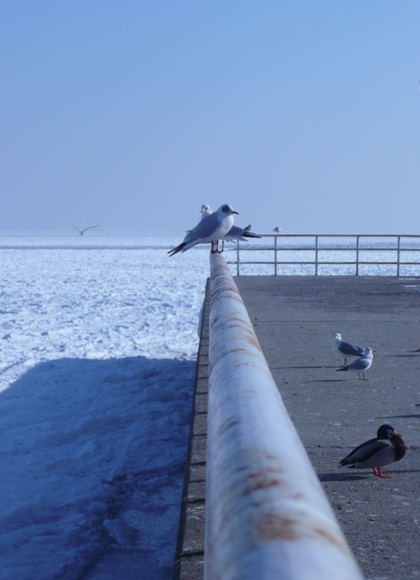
x=362, y=364
x=211, y=228
x=343, y=348
x=235, y=233
x=81, y=232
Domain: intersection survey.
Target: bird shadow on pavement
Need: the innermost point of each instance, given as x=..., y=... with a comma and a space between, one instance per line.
x=340, y=477
x=416, y=416
x=403, y=471
x=328, y=381
x=404, y=355
x=304, y=367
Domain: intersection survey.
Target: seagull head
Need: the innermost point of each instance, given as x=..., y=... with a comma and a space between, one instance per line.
x=337, y=335
x=205, y=209
x=227, y=209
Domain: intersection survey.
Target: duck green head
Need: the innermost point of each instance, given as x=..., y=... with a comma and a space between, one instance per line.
x=387, y=432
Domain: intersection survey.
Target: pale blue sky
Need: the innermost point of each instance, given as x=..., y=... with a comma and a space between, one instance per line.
x=131, y=114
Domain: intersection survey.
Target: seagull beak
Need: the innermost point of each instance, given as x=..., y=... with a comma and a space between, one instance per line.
x=233, y=211
x=397, y=434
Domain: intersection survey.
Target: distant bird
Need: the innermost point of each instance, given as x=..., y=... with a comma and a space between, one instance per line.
x=343, y=348
x=248, y=228
x=277, y=229
x=360, y=365
x=81, y=232
x=235, y=233
x=211, y=228
x=376, y=453
x=205, y=210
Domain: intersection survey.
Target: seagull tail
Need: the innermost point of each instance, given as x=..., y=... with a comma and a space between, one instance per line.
x=248, y=234
x=176, y=250
x=343, y=368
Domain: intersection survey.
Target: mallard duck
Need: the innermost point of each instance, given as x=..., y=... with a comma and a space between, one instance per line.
x=376, y=453
x=361, y=365
x=343, y=348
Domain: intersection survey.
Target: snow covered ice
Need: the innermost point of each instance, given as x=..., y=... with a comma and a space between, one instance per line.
x=98, y=340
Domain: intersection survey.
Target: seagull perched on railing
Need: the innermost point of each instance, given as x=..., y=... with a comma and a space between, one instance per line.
x=81, y=232
x=211, y=228
x=235, y=233
x=277, y=229
x=343, y=348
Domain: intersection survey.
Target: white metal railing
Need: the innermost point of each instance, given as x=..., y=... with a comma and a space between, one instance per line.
x=267, y=516
x=352, y=254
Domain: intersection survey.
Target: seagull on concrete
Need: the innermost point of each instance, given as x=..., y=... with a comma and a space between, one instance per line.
x=211, y=228
x=235, y=233
x=361, y=365
x=343, y=348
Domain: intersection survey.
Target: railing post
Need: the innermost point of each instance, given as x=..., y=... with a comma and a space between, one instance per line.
x=398, y=255
x=357, y=255
x=275, y=255
x=267, y=515
x=237, y=258
x=316, y=255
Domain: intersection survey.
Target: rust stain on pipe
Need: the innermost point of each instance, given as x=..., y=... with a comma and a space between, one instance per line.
x=274, y=527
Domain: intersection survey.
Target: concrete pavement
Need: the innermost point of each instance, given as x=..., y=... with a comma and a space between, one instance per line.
x=295, y=319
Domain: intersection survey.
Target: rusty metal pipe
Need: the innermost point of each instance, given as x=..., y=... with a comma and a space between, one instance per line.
x=267, y=516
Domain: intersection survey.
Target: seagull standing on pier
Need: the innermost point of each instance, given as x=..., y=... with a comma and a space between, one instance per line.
x=343, y=348
x=212, y=228
x=361, y=365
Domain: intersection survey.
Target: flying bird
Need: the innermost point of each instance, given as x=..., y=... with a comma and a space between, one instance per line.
x=361, y=365
x=235, y=233
x=346, y=349
x=376, y=453
x=212, y=228
x=81, y=232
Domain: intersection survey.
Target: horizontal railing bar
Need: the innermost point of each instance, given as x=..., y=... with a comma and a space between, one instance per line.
x=332, y=263
x=340, y=235
x=321, y=249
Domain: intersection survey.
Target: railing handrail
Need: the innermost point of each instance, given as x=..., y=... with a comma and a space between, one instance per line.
x=267, y=515
x=355, y=243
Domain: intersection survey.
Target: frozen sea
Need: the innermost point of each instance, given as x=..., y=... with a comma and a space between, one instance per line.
x=98, y=341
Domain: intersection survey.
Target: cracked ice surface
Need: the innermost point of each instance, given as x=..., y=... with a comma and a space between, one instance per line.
x=98, y=341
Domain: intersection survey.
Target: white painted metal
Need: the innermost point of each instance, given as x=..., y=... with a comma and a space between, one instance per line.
x=267, y=516
x=314, y=244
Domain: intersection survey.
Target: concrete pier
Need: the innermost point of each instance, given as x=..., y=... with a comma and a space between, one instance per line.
x=295, y=319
